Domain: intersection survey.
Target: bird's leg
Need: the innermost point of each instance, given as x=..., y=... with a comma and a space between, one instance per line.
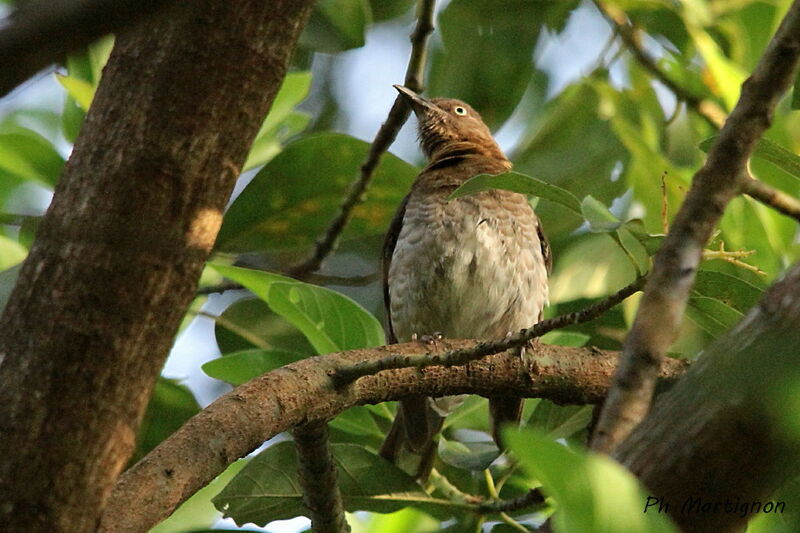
x=430, y=340
x=433, y=338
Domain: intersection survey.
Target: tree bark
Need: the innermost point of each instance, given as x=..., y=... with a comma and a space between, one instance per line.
x=718, y=434
x=240, y=421
x=119, y=252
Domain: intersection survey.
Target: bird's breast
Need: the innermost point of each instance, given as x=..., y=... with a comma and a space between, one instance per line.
x=468, y=268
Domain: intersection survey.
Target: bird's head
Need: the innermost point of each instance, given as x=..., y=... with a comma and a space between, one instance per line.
x=448, y=127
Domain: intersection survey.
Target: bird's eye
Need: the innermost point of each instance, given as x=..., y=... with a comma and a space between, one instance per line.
x=460, y=111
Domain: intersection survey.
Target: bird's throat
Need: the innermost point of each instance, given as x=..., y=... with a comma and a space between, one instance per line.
x=456, y=153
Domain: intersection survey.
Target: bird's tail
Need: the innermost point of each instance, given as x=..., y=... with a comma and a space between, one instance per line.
x=412, y=440
x=504, y=410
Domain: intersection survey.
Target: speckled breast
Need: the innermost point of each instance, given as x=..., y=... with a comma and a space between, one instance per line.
x=468, y=268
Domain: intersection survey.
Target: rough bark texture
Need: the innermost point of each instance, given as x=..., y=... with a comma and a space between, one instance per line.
x=316, y=472
x=243, y=419
x=716, y=435
x=119, y=253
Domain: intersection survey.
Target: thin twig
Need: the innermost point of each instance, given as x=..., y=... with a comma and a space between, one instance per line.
x=439, y=482
x=316, y=471
x=315, y=278
x=244, y=333
x=733, y=257
x=708, y=109
x=346, y=375
x=15, y=219
x=533, y=498
x=384, y=138
x=477, y=504
x=778, y=200
x=223, y=286
x=487, y=475
x=713, y=187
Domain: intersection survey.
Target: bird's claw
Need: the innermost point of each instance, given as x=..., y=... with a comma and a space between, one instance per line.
x=430, y=340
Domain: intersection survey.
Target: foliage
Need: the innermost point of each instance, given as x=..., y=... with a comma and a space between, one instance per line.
x=607, y=156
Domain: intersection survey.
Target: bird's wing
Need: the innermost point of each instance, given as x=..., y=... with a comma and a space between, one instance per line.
x=547, y=254
x=386, y=260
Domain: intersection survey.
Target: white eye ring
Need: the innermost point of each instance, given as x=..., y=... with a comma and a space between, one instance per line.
x=460, y=111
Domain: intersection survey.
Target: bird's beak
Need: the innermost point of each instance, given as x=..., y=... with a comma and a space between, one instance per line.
x=419, y=104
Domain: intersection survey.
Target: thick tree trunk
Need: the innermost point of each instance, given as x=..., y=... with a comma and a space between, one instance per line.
x=119, y=253
x=718, y=435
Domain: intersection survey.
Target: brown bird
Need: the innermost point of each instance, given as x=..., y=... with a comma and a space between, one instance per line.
x=472, y=267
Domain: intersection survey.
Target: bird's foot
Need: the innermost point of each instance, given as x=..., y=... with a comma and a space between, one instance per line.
x=433, y=338
x=430, y=340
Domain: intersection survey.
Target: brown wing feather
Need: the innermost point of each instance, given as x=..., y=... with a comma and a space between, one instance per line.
x=386, y=260
x=547, y=254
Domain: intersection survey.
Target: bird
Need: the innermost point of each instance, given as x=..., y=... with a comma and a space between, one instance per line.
x=473, y=267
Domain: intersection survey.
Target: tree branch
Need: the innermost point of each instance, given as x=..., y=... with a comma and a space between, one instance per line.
x=383, y=139
x=43, y=32
x=532, y=498
x=668, y=285
x=720, y=433
x=312, y=277
x=347, y=375
x=708, y=109
x=777, y=199
x=316, y=471
x=280, y=400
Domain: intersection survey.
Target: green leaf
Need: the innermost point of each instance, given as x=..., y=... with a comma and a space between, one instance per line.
x=651, y=242
x=711, y=315
x=82, y=91
x=171, y=405
x=27, y=155
x=729, y=290
x=593, y=493
x=521, y=183
x=250, y=323
x=409, y=520
x=768, y=151
x=11, y=252
x=796, y=93
x=571, y=144
x=560, y=421
x=357, y=421
x=281, y=116
x=330, y=321
x=337, y=25
x=267, y=488
x=473, y=456
x=727, y=75
x=486, y=61
x=8, y=278
x=239, y=367
x=471, y=414
x=389, y=9
x=72, y=119
x=600, y=219
x=565, y=338
x=589, y=267
x=292, y=199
